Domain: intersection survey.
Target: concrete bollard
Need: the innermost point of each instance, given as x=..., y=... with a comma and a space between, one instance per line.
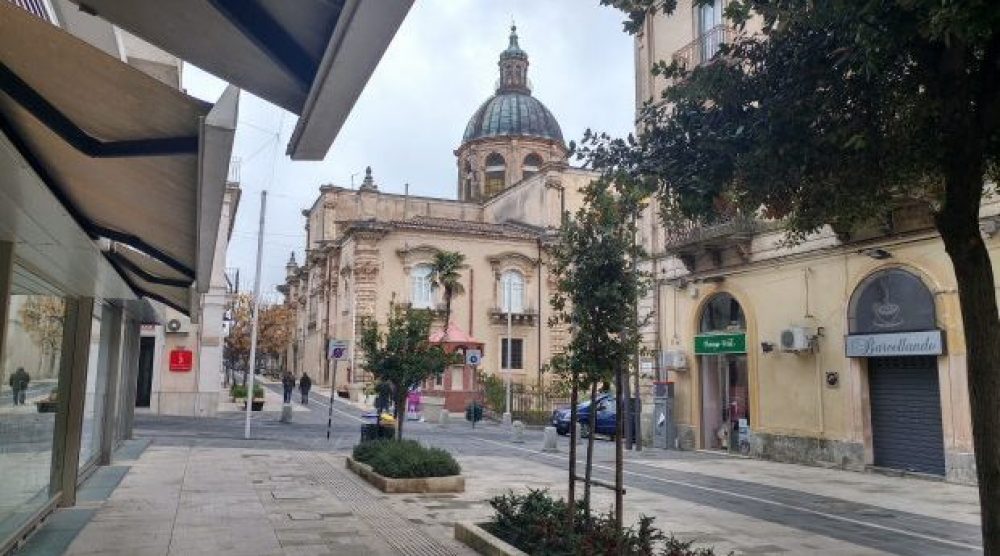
x=286, y=413
x=518, y=430
x=444, y=417
x=505, y=420
x=549, y=444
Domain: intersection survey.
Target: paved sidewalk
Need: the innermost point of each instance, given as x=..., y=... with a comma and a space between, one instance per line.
x=206, y=500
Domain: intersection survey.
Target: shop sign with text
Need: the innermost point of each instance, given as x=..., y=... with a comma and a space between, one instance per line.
x=930, y=342
x=712, y=344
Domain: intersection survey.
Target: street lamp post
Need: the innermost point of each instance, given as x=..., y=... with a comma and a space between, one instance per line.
x=507, y=294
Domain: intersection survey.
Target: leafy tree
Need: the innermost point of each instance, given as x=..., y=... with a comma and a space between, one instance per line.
x=42, y=317
x=402, y=356
x=445, y=275
x=597, y=289
x=833, y=112
x=275, y=329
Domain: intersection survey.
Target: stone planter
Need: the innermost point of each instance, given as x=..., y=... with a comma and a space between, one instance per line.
x=369, y=400
x=356, y=391
x=47, y=406
x=427, y=485
x=258, y=404
x=432, y=406
x=479, y=539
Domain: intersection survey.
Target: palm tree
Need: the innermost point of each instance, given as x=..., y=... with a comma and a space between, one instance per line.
x=445, y=274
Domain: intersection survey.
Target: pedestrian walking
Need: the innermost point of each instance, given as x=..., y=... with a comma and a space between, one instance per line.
x=287, y=386
x=19, y=385
x=305, y=383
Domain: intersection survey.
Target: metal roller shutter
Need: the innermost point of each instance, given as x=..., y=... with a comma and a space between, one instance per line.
x=906, y=414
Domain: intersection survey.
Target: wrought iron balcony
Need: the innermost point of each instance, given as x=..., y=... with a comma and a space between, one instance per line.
x=703, y=49
x=690, y=240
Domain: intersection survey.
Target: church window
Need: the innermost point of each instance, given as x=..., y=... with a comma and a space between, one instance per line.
x=532, y=163
x=512, y=291
x=496, y=174
x=420, y=287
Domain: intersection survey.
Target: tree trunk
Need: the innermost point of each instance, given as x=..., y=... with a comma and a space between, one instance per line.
x=571, y=493
x=400, y=412
x=958, y=223
x=592, y=423
x=620, y=378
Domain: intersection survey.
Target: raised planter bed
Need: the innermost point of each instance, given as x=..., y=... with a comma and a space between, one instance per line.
x=479, y=539
x=454, y=483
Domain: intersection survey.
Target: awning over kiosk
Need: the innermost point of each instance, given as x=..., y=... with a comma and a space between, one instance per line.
x=131, y=159
x=310, y=57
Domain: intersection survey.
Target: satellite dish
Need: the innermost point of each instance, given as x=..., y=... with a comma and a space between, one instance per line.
x=173, y=325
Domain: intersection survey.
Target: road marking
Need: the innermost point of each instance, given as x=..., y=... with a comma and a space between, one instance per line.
x=757, y=499
x=326, y=399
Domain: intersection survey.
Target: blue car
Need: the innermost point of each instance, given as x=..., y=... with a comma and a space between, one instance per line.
x=606, y=416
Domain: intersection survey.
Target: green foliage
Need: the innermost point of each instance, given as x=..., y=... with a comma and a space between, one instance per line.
x=494, y=391
x=536, y=523
x=402, y=356
x=445, y=275
x=406, y=459
x=474, y=412
x=240, y=391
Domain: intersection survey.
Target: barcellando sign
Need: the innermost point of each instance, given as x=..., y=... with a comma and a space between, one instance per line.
x=930, y=342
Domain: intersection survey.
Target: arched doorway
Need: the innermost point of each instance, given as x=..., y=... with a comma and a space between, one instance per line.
x=724, y=377
x=892, y=324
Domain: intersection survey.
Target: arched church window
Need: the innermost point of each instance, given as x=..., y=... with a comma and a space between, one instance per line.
x=512, y=291
x=496, y=174
x=420, y=287
x=532, y=163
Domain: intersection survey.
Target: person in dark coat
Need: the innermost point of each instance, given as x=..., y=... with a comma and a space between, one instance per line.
x=19, y=385
x=287, y=386
x=305, y=383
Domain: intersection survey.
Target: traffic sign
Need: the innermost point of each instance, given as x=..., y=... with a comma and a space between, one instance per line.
x=473, y=357
x=337, y=350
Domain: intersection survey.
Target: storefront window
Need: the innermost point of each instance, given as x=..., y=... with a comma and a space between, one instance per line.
x=97, y=375
x=28, y=385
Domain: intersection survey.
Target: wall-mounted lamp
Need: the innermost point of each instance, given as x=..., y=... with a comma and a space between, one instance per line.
x=876, y=253
x=832, y=378
x=767, y=347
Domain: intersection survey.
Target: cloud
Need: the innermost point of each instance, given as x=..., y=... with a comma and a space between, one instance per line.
x=440, y=67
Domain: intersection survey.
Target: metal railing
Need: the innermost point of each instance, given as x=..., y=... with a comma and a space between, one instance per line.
x=697, y=232
x=703, y=48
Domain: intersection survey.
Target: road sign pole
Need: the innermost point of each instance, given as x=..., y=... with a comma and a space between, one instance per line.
x=333, y=393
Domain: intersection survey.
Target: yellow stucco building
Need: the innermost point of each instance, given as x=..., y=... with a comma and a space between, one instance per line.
x=845, y=350
x=367, y=249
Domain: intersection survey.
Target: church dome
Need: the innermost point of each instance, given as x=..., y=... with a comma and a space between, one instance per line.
x=512, y=110
x=512, y=113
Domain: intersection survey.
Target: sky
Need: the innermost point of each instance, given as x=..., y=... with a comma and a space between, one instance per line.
x=441, y=65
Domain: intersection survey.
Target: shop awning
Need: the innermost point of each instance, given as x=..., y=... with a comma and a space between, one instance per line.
x=310, y=57
x=131, y=159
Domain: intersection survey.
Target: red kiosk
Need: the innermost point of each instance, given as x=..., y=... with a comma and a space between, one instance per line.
x=457, y=384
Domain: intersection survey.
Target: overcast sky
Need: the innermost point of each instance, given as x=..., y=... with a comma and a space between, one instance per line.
x=441, y=65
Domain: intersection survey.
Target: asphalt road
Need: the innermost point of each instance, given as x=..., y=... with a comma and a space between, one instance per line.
x=892, y=531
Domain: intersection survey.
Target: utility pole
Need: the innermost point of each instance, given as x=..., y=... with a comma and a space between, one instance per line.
x=256, y=310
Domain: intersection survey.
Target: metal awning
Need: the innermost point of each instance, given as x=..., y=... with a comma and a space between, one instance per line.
x=131, y=159
x=310, y=57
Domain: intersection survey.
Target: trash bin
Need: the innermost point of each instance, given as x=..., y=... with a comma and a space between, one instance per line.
x=664, y=435
x=371, y=431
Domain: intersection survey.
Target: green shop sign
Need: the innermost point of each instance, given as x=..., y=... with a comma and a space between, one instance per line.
x=712, y=344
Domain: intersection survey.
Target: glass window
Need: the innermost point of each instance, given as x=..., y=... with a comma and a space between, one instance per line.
x=512, y=291
x=420, y=287
x=722, y=313
x=28, y=387
x=532, y=163
x=496, y=174
x=516, y=353
x=97, y=375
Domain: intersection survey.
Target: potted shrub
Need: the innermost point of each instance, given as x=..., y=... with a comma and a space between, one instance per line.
x=370, y=394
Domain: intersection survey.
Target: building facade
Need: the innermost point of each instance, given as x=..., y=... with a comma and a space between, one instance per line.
x=844, y=350
x=367, y=249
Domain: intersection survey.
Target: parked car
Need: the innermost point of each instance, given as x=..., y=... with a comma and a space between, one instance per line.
x=606, y=412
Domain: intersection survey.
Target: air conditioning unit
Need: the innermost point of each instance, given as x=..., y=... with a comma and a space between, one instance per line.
x=796, y=339
x=673, y=359
x=177, y=326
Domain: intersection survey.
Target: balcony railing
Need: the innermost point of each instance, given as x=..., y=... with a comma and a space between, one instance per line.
x=526, y=316
x=703, y=48
x=722, y=231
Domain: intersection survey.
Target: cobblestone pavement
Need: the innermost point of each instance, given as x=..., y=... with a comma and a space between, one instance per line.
x=286, y=492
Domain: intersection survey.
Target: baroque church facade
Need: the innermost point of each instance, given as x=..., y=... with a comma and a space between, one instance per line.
x=367, y=249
